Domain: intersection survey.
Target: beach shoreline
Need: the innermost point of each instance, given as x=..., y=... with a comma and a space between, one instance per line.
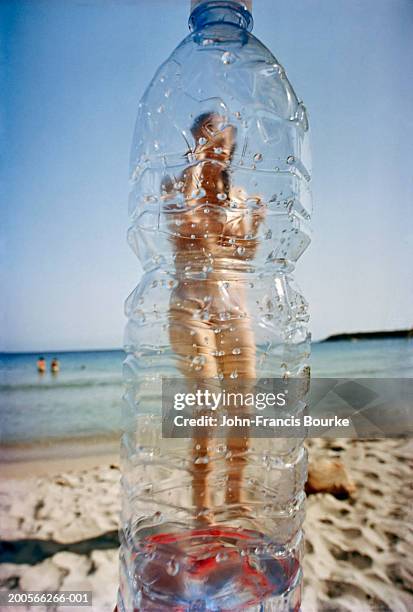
x=52, y=457
x=54, y=466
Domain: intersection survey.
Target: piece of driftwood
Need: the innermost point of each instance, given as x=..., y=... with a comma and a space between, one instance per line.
x=329, y=476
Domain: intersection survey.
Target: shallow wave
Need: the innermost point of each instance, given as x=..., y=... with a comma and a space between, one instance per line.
x=68, y=384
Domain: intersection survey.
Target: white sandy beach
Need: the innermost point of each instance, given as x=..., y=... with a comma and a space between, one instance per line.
x=359, y=551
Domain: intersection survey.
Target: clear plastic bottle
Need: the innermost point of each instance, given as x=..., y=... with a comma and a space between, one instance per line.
x=219, y=206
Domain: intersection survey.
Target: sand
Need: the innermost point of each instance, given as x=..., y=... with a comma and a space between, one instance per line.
x=59, y=521
x=359, y=552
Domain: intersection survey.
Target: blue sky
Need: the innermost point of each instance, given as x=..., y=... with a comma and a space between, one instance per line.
x=72, y=75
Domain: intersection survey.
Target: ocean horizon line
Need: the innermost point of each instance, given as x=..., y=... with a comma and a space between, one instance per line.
x=63, y=351
x=338, y=337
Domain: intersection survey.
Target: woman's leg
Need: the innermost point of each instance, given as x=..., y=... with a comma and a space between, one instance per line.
x=194, y=343
x=238, y=367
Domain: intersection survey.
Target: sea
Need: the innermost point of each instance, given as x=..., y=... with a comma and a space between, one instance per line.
x=84, y=400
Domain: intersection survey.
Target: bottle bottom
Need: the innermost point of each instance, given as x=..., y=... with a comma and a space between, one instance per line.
x=209, y=570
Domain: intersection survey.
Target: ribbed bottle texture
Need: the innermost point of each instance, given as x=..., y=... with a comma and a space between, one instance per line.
x=219, y=207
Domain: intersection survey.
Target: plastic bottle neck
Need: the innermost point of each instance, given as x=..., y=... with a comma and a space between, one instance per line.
x=208, y=12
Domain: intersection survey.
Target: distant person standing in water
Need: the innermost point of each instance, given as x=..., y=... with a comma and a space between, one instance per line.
x=41, y=365
x=55, y=366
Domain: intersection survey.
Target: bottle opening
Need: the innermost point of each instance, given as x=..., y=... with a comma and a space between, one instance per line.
x=234, y=12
